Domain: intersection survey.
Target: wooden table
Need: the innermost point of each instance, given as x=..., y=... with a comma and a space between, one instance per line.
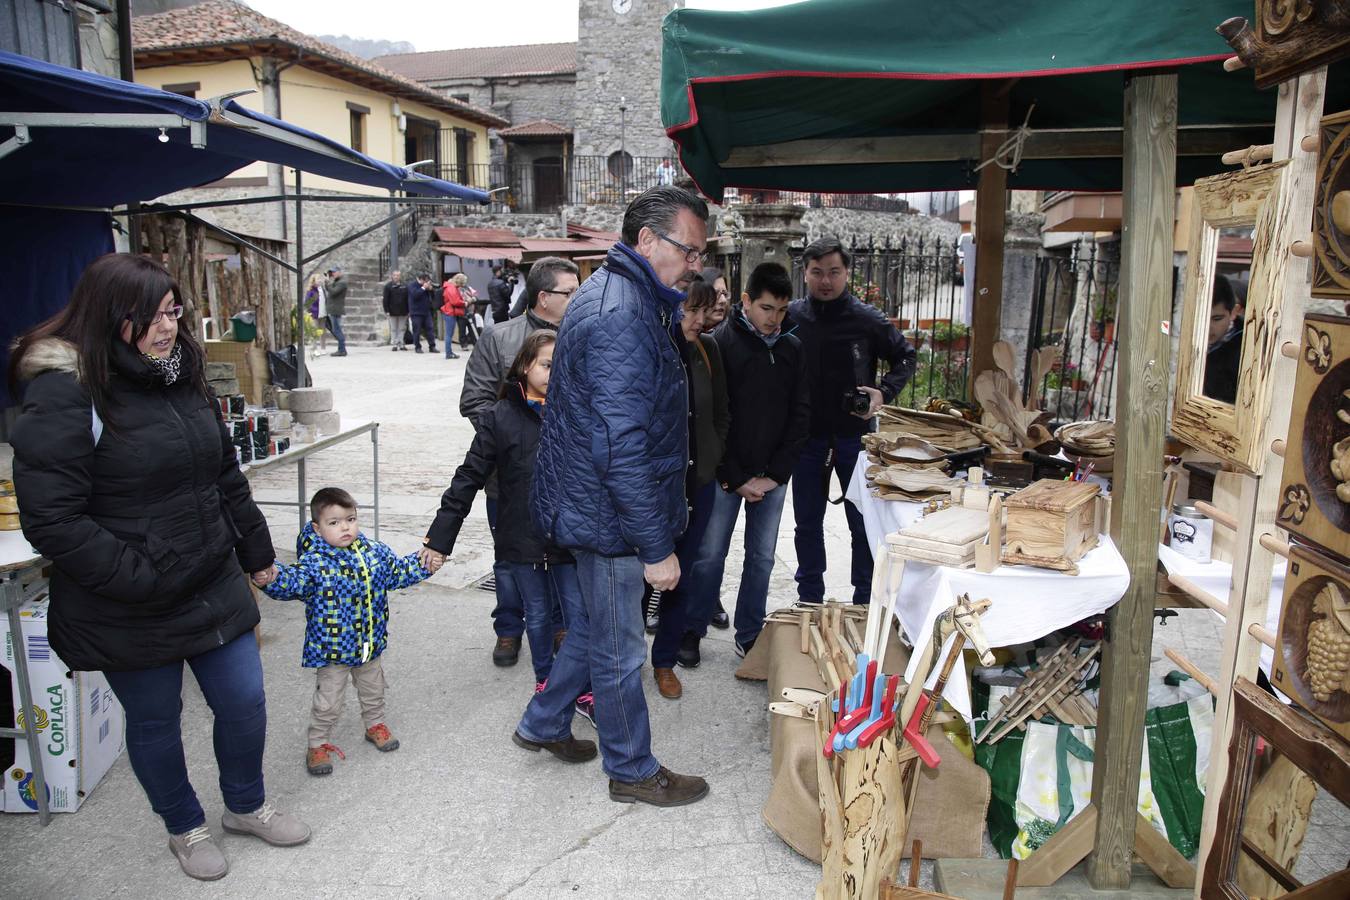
x=17, y=557
x=298, y=452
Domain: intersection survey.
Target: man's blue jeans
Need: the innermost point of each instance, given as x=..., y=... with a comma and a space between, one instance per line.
x=335, y=326
x=231, y=679
x=761, y=541
x=809, y=484
x=508, y=616
x=606, y=646
x=673, y=613
x=542, y=590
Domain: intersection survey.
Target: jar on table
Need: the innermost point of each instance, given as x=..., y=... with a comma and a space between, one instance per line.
x=1192, y=532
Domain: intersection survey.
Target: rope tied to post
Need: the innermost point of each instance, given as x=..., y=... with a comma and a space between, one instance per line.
x=1012, y=147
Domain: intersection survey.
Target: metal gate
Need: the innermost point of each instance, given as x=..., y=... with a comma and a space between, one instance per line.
x=1074, y=308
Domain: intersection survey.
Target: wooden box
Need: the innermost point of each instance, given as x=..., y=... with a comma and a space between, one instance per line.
x=1051, y=524
x=1314, y=503
x=250, y=366
x=1312, y=656
x=947, y=537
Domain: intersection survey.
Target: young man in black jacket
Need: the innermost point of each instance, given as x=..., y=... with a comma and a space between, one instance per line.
x=843, y=339
x=770, y=419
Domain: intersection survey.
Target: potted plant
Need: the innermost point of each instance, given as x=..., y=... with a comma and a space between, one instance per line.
x=951, y=335
x=1103, y=324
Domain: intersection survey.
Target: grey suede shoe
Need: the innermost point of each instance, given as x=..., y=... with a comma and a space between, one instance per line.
x=198, y=854
x=277, y=828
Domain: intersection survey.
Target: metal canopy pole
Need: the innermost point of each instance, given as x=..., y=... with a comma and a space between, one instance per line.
x=299, y=287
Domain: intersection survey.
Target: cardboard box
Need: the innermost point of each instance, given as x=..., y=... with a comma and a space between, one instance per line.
x=79, y=722
x=250, y=365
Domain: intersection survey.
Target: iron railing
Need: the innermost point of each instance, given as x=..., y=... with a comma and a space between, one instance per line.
x=919, y=286
x=1074, y=308
x=548, y=184
x=407, y=236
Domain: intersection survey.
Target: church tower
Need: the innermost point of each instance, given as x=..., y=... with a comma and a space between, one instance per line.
x=619, y=64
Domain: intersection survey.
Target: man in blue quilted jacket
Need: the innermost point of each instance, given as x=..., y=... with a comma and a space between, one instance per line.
x=609, y=485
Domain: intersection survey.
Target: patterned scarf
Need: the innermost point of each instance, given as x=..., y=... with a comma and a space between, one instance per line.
x=167, y=369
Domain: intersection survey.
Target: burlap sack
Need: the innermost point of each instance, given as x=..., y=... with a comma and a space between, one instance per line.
x=952, y=801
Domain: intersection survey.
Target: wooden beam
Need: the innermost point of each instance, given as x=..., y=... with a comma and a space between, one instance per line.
x=1298, y=112
x=991, y=201
x=1149, y=171
x=1080, y=143
x=1064, y=850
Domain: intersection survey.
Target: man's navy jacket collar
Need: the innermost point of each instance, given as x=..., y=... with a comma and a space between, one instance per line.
x=627, y=261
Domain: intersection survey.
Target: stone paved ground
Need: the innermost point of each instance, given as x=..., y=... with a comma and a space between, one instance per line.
x=459, y=811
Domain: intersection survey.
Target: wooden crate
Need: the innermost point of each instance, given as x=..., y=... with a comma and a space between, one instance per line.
x=1319, y=433
x=250, y=366
x=1315, y=622
x=1051, y=524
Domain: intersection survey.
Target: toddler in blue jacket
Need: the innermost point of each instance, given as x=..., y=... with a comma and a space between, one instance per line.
x=345, y=579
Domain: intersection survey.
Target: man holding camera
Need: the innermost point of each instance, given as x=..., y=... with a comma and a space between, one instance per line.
x=499, y=292
x=843, y=340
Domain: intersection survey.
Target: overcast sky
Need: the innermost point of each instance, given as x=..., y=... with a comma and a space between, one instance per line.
x=437, y=25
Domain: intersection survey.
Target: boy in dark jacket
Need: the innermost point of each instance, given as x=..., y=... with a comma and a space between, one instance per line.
x=770, y=422
x=345, y=579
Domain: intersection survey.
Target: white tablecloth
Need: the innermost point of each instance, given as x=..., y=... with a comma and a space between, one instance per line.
x=1028, y=602
x=1217, y=578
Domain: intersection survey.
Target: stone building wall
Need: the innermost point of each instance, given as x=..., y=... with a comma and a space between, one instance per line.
x=858, y=226
x=620, y=56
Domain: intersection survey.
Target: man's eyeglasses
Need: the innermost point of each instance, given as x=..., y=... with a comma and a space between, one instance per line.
x=567, y=294
x=173, y=312
x=692, y=255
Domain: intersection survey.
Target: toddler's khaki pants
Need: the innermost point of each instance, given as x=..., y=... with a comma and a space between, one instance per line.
x=330, y=687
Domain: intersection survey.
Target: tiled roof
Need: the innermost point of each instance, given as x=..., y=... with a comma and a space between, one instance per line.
x=537, y=128
x=173, y=36
x=484, y=236
x=519, y=61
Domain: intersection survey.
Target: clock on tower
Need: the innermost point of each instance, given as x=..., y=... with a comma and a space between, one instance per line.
x=621, y=6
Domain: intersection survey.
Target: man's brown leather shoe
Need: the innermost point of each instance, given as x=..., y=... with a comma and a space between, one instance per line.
x=668, y=684
x=570, y=750
x=665, y=788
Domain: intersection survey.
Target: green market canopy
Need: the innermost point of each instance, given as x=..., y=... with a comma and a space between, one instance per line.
x=885, y=95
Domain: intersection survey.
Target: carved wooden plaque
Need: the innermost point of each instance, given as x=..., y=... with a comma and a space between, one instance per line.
x=1297, y=36
x=1312, y=655
x=1314, y=502
x=1331, y=210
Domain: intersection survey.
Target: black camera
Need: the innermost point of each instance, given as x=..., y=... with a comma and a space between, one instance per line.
x=857, y=402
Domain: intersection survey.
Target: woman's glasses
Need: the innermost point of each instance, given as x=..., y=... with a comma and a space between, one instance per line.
x=173, y=312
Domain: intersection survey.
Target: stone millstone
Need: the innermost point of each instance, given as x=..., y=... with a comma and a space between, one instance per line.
x=326, y=421
x=224, y=386
x=307, y=400
x=219, y=371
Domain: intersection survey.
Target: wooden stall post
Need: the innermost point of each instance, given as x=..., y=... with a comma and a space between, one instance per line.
x=1149, y=166
x=991, y=202
x=1298, y=110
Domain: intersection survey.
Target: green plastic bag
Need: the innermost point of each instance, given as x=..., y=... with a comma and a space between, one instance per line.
x=1042, y=777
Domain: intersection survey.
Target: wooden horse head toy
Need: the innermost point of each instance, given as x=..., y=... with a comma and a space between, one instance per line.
x=966, y=620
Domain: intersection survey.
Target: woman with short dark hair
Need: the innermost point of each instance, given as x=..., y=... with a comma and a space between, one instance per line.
x=128, y=482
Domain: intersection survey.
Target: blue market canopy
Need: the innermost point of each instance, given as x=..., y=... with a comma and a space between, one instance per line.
x=73, y=138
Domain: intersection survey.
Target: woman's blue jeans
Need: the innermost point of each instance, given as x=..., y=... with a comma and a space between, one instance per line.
x=673, y=612
x=231, y=679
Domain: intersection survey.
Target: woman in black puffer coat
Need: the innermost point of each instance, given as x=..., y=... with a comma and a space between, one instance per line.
x=128, y=482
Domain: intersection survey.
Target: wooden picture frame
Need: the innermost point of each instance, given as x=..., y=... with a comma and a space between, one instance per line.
x=1331, y=210
x=1310, y=747
x=1260, y=197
